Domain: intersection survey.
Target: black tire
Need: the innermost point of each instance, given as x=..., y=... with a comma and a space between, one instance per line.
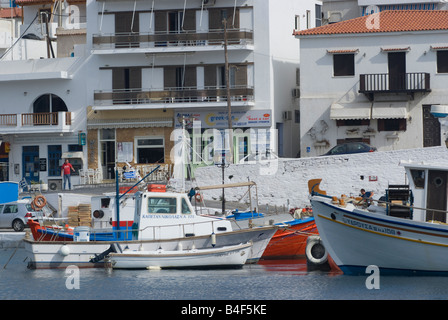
x=18, y=225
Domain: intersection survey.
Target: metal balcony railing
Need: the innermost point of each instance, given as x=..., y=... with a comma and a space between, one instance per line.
x=389, y=83
x=171, y=39
x=172, y=95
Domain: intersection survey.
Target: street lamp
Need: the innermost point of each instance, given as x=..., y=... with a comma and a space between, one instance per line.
x=222, y=165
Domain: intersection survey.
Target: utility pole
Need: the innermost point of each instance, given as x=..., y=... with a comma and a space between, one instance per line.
x=229, y=106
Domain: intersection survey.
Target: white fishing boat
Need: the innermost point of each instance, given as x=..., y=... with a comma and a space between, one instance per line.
x=222, y=257
x=407, y=235
x=164, y=220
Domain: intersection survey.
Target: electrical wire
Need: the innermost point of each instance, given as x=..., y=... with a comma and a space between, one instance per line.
x=21, y=36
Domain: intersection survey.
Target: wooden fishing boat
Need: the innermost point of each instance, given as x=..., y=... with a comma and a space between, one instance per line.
x=408, y=235
x=162, y=219
x=218, y=257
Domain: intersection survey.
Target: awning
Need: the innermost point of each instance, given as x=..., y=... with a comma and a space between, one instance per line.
x=72, y=155
x=128, y=123
x=350, y=111
x=389, y=110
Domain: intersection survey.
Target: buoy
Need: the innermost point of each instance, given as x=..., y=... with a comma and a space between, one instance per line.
x=153, y=268
x=213, y=239
x=65, y=250
x=39, y=201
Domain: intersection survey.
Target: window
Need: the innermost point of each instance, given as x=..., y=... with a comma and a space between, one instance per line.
x=185, y=207
x=343, y=65
x=49, y=103
x=357, y=122
x=10, y=208
x=297, y=23
x=391, y=124
x=150, y=150
x=308, y=19
x=418, y=176
x=442, y=61
x=162, y=205
x=318, y=8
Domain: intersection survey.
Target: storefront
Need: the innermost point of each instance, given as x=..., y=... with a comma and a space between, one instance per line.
x=209, y=133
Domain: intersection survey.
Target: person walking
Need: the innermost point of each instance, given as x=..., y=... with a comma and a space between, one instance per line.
x=66, y=173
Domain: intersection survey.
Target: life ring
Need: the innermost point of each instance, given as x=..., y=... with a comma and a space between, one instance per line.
x=315, y=251
x=198, y=197
x=39, y=202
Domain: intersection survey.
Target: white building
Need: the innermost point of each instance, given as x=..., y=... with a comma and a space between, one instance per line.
x=374, y=79
x=141, y=68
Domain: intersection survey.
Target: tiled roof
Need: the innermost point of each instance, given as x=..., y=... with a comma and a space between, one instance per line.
x=32, y=2
x=385, y=21
x=6, y=13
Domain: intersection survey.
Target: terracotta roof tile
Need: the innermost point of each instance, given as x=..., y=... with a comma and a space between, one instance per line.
x=6, y=13
x=385, y=21
x=32, y=2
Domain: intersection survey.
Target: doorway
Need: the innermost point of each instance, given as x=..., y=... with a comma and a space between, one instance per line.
x=107, y=153
x=437, y=195
x=431, y=128
x=30, y=163
x=397, y=71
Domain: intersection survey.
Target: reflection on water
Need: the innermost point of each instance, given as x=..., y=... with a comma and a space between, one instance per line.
x=267, y=280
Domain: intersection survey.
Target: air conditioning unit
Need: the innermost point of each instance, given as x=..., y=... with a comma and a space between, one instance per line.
x=334, y=16
x=208, y=2
x=55, y=184
x=287, y=115
x=296, y=93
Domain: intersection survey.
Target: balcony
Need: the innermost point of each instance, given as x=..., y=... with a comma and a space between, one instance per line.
x=173, y=97
x=171, y=42
x=51, y=122
x=408, y=83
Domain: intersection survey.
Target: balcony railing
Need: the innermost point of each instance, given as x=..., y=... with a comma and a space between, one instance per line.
x=388, y=83
x=47, y=121
x=172, y=95
x=172, y=39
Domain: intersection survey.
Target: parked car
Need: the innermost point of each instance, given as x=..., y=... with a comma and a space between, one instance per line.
x=350, y=147
x=16, y=214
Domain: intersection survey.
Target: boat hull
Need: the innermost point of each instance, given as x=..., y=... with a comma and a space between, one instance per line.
x=290, y=241
x=60, y=254
x=223, y=257
x=356, y=239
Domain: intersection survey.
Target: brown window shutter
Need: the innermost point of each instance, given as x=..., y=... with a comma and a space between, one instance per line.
x=169, y=77
x=190, y=20
x=241, y=75
x=210, y=76
x=190, y=77
x=160, y=21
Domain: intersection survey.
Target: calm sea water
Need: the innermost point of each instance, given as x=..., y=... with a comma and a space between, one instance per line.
x=274, y=280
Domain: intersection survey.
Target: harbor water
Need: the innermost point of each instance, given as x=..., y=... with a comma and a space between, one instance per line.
x=265, y=281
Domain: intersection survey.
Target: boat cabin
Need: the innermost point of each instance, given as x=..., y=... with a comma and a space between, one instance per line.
x=430, y=190
x=164, y=215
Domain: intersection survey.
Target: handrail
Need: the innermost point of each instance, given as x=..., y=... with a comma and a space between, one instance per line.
x=387, y=82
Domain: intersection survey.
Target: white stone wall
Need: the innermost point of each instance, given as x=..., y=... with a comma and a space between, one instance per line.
x=285, y=182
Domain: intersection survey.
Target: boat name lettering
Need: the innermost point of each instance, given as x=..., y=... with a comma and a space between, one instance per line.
x=167, y=216
x=368, y=226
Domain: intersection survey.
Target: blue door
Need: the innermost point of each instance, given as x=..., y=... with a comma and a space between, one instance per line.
x=30, y=161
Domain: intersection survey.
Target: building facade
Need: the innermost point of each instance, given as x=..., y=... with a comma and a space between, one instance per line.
x=124, y=75
x=375, y=79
